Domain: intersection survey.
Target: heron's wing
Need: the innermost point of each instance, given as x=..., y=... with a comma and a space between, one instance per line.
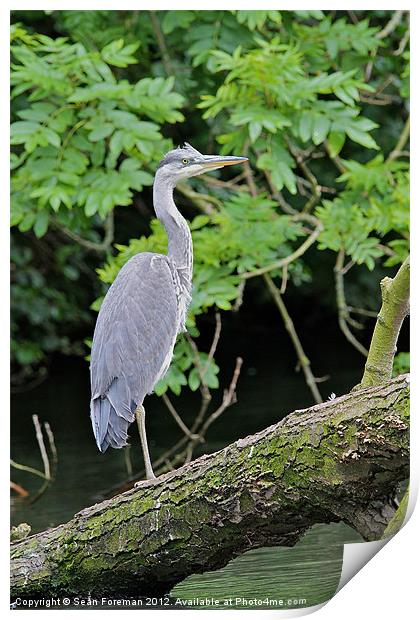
x=134, y=335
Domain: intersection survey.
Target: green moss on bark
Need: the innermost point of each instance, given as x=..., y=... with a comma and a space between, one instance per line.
x=395, y=307
x=339, y=460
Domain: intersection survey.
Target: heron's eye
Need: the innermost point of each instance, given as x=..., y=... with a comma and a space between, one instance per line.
x=185, y=161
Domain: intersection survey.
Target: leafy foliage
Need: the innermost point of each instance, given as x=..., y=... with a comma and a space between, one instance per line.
x=316, y=99
x=40, y=307
x=401, y=364
x=368, y=205
x=83, y=145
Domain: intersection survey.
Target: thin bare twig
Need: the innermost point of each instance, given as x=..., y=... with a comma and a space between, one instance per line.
x=42, y=449
x=205, y=392
x=203, y=387
x=127, y=461
x=47, y=475
x=51, y=442
x=233, y=183
x=166, y=59
x=92, y=246
x=353, y=17
x=30, y=470
x=284, y=279
x=277, y=195
x=362, y=311
x=248, y=173
x=206, y=398
x=216, y=338
x=313, y=181
x=383, y=100
x=178, y=418
x=18, y=489
x=402, y=141
x=343, y=312
x=347, y=267
x=240, y=298
x=324, y=188
x=335, y=160
x=290, y=328
x=403, y=42
x=391, y=25
x=201, y=425
x=204, y=202
x=229, y=398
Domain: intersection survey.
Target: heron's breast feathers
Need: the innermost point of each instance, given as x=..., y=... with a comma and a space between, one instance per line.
x=183, y=286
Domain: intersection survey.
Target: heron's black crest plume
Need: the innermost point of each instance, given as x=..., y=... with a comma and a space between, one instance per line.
x=185, y=151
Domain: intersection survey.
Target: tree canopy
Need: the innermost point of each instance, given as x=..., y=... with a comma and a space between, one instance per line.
x=318, y=101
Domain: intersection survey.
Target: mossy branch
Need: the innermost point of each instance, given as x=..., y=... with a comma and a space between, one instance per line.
x=340, y=460
x=394, y=309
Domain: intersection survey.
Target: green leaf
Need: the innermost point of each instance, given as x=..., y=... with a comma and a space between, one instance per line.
x=116, y=54
x=361, y=137
x=22, y=130
x=305, y=126
x=194, y=380
x=199, y=221
x=283, y=176
x=320, y=129
x=92, y=203
x=336, y=140
x=100, y=132
x=41, y=224
x=255, y=129
x=176, y=19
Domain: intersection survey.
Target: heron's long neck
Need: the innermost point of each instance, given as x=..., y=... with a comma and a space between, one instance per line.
x=180, y=249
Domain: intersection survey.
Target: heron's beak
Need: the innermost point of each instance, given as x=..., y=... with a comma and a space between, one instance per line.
x=212, y=162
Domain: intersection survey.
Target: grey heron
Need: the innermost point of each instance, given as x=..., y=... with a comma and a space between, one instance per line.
x=143, y=312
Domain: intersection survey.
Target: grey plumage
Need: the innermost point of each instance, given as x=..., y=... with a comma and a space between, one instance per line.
x=144, y=310
x=127, y=358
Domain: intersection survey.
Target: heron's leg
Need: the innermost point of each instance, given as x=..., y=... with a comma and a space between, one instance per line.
x=140, y=417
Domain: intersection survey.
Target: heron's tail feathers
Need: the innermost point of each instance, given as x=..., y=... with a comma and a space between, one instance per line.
x=110, y=428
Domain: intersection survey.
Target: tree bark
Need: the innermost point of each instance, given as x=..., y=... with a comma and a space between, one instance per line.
x=339, y=460
x=394, y=309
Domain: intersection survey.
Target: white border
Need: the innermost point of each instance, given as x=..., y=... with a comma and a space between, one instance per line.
x=387, y=586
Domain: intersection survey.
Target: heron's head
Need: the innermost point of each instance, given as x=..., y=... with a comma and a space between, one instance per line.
x=186, y=161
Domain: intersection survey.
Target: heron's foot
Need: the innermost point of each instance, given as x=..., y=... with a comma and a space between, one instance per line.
x=149, y=477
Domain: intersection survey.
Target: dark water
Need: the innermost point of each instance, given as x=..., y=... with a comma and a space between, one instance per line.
x=268, y=388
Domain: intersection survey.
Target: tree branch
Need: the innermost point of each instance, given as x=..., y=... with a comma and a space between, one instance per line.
x=204, y=202
x=289, y=325
x=391, y=25
x=92, y=246
x=288, y=259
x=166, y=59
x=394, y=309
x=404, y=41
x=313, y=181
x=402, y=141
x=337, y=461
x=342, y=308
x=178, y=418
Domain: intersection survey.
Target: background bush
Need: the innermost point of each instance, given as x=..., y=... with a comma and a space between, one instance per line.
x=316, y=100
